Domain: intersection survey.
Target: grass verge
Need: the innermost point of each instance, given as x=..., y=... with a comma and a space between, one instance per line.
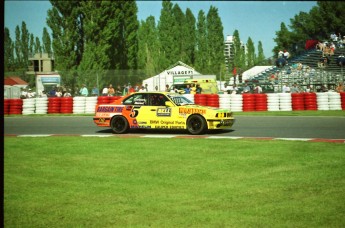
x=117, y=182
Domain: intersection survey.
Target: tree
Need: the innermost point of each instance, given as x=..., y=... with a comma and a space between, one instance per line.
x=25, y=36
x=32, y=45
x=238, y=51
x=166, y=36
x=18, y=48
x=260, y=60
x=8, y=51
x=190, y=38
x=283, y=39
x=38, y=47
x=215, y=40
x=148, y=51
x=250, y=55
x=201, y=54
x=47, y=46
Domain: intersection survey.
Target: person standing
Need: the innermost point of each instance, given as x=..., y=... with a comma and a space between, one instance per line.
x=84, y=91
x=198, y=89
x=111, y=90
x=94, y=91
x=187, y=89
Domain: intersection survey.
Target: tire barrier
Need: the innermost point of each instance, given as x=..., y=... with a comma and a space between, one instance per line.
x=273, y=102
x=297, y=101
x=200, y=99
x=212, y=100
x=16, y=106
x=342, y=99
x=260, y=102
x=66, y=105
x=232, y=102
x=310, y=101
x=6, y=106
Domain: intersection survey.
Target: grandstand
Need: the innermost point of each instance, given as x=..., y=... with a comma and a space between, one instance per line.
x=307, y=73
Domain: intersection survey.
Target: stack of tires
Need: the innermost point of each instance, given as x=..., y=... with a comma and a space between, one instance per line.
x=224, y=101
x=273, y=102
x=260, y=102
x=248, y=102
x=103, y=100
x=41, y=105
x=54, y=104
x=16, y=106
x=334, y=101
x=113, y=98
x=200, y=99
x=79, y=105
x=90, y=104
x=212, y=100
x=310, y=101
x=322, y=101
x=236, y=102
x=297, y=101
x=6, y=106
x=28, y=106
x=66, y=105
x=342, y=99
x=285, y=102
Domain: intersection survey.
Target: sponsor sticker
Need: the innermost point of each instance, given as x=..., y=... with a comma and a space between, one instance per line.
x=164, y=112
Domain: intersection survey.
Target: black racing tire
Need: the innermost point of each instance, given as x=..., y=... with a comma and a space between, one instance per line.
x=196, y=125
x=119, y=125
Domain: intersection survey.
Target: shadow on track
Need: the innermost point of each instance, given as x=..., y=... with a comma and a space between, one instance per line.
x=167, y=132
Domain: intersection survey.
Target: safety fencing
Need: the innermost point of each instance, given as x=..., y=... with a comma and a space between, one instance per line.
x=233, y=102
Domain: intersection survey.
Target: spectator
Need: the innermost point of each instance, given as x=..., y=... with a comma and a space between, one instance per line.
x=111, y=90
x=340, y=87
x=187, y=89
x=67, y=93
x=198, y=89
x=309, y=89
x=295, y=89
x=324, y=88
x=286, y=88
x=234, y=89
x=43, y=94
x=257, y=89
x=131, y=89
x=246, y=88
x=146, y=88
x=105, y=91
x=84, y=91
x=286, y=54
x=58, y=92
x=167, y=88
x=340, y=60
x=156, y=88
x=118, y=90
x=280, y=54
x=193, y=89
x=142, y=89
x=125, y=90
x=52, y=93
x=95, y=91
x=30, y=93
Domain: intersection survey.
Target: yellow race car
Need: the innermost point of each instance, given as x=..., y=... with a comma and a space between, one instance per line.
x=160, y=110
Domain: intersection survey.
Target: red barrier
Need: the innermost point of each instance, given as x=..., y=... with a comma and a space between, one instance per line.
x=342, y=98
x=66, y=105
x=212, y=100
x=260, y=102
x=6, y=106
x=248, y=102
x=54, y=105
x=103, y=100
x=310, y=101
x=16, y=106
x=297, y=101
x=200, y=99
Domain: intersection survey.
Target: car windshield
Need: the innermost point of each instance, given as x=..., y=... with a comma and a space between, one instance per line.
x=180, y=100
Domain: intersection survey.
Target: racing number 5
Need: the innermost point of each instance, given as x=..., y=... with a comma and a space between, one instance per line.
x=134, y=112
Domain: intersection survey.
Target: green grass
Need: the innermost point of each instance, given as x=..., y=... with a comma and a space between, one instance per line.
x=137, y=182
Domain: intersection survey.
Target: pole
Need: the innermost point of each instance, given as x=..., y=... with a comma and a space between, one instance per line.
x=97, y=83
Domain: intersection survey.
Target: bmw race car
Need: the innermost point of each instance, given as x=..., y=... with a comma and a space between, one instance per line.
x=160, y=110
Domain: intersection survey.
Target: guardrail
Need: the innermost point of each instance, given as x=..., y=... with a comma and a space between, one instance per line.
x=233, y=102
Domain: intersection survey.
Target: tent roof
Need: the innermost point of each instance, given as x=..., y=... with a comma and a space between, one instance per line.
x=179, y=63
x=14, y=80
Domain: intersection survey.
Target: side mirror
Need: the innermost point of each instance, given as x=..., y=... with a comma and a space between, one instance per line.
x=169, y=104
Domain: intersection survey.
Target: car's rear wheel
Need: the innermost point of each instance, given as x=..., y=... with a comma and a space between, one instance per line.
x=196, y=125
x=119, y=125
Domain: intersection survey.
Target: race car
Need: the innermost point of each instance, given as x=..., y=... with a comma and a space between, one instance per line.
x=160, y=110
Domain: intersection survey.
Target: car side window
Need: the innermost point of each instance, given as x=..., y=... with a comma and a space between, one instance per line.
x=136, y=99
x=157, y=100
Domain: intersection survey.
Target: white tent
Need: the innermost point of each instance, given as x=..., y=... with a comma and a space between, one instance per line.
x=254, y=71
x=175, y=74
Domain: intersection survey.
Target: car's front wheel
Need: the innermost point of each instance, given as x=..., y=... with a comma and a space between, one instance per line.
x=119, y=125
x=196, y=125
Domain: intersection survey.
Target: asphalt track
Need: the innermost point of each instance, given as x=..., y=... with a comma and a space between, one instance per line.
x=263, y=127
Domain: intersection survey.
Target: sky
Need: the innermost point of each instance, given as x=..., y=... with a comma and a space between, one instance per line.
x=259, y=20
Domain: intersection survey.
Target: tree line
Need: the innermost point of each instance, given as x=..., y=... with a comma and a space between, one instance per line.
x=101, y=42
